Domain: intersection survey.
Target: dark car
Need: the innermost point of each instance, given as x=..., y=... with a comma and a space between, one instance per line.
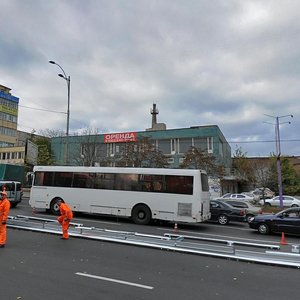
x=287, y=221
x=224, y=213
x=250, y=209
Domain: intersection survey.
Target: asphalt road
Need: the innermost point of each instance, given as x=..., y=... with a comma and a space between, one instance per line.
x=42, y=266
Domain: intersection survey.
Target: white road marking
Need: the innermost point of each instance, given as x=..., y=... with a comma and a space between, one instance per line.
x=115, y=280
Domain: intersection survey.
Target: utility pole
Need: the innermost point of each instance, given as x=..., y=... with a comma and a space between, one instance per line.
x=68, y=80
x=278, y=153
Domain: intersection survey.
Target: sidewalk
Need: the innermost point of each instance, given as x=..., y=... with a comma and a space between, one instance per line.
x=26, y=192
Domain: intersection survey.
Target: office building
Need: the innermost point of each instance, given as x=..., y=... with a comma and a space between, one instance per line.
x=174, y=143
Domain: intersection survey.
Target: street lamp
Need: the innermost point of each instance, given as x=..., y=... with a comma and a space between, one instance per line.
x=68, y=80
x=278, y=152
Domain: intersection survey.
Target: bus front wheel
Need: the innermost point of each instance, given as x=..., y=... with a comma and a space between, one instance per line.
x=141, y=214
x=54, y=208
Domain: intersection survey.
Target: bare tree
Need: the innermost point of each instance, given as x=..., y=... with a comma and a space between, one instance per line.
x=263, y=174
x=142, y=153
x=242, y=167
x=199, y=159
x=86, y=153
x=50, y=133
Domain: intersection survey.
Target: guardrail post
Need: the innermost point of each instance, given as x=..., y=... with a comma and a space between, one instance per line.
x=295, y=249
x=231, y=244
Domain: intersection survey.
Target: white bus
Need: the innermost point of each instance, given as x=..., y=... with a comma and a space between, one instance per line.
x=177, y=195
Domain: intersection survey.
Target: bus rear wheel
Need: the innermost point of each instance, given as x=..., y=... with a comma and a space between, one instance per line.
x=54, y=208
x=141, y=214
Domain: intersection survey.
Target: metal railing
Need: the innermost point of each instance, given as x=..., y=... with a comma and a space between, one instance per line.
x=229, y=249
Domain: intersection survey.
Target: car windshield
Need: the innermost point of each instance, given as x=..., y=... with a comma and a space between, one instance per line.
x=289, y=214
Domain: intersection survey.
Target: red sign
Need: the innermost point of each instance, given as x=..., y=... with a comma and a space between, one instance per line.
x=120, y=137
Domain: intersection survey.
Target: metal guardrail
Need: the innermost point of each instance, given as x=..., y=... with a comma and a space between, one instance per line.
x=180, y=243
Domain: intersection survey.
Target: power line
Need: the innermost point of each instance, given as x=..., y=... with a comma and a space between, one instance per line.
x=47, y=110
x=229, y=142
x=266, y=141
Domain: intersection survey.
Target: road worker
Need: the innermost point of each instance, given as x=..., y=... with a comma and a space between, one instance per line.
x=4, y=211
x=65, y=218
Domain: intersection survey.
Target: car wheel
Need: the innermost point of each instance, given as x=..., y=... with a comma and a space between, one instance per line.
x=267, y=204
x=263, y=228
x=223, y=220
x=295, y=205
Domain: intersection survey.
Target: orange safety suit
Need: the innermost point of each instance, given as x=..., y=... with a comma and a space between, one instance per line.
x=64, y=219
x=4, y=211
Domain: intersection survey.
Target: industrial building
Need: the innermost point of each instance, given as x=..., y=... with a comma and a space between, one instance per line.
x=173, y=143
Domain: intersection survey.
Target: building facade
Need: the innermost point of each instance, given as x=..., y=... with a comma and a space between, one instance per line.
x=109, y=149
x=11, y=152
x=173, y=143
x=8, y=117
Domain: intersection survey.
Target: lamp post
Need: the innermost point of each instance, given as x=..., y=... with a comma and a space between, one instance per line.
x=278, y=153
x=68, y=80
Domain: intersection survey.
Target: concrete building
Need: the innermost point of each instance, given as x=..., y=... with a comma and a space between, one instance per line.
x=10, y=151
x=174, y=143
x=15, y=146
x=8, y=117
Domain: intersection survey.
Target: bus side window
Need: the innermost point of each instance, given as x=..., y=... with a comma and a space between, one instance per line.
x=146, y=187
x=63, y=179
x=157, y=186
x=39, y=179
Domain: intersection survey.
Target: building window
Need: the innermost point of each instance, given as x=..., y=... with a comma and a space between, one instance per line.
x=221, y=148
x=200, y=143
x=8, y=131
x=210, y=145
x=204, y=144
x=111, y=149
x=184, y=145
x=174, y=146
x=164, y=146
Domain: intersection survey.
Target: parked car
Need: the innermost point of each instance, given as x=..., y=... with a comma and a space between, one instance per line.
x=250, y=209
x=288, y=201
x=287, y=221
x=255, y=197
x=14, y=191
x=263, y=193
x=235, y=197
x=224, y=212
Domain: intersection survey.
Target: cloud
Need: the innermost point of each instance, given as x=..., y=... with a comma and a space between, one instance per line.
x=222, y=62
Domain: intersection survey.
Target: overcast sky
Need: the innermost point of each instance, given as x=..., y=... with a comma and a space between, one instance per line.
x=222, y=62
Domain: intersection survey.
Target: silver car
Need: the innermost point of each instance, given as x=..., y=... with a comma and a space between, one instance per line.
x=242, y=197
x=288, y=201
